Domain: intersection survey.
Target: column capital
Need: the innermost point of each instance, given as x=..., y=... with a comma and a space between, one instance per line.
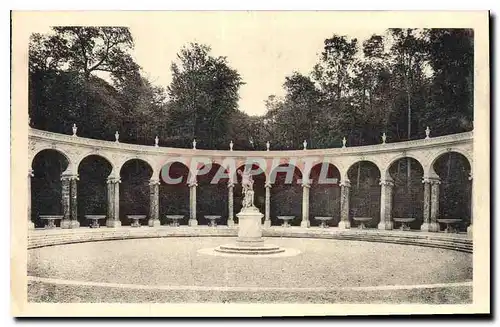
x=30, y=173
x=230, y=184
x=192, y=184
x=154, y=181
x=386, y=182
x=268, y=185
x=69, y=177
x=306, y=183
x=470, y=176
x=345, y=183
x=113, y=180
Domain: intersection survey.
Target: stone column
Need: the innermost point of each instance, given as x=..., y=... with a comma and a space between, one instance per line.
x=113, y=219
x=74, y=202
x=469, y=228
x=69, y=201
x=344, y=222
x=31, y=224
x=267, y=216
x=192, y=203
x=230, y=204
x=427, y=225
x=434, y=211
x=386, y=186
x=154, y=201
x=305, y=205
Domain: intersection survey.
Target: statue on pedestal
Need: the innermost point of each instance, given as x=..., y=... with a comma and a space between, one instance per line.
x=247, y=189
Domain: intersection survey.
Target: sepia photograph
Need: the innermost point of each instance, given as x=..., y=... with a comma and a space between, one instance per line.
x=284, y=163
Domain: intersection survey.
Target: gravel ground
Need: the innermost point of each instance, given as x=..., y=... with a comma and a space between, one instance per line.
x=322, y=263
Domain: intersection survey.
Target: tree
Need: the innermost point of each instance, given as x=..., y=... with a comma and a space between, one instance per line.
x=203, y=92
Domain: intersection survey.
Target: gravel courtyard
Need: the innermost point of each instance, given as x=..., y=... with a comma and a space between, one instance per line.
x=321, y=263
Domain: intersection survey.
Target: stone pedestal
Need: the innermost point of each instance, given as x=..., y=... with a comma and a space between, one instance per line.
x=344, y=224
x=250, y=227
x=469, y=230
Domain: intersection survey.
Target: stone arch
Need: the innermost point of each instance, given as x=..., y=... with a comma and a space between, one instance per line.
x=286, y=194
x=58, y=150
x=361, y=160
x=130, y=158
x=324, y=194
x=430, y=168
x=173, y=198
x=385, y=172
x=97, y=154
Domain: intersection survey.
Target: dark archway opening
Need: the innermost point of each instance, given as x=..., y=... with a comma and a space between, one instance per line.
x=286, y=195
x=135, y=175
x=93, y=173
x=365, y=193
x=324, y=195
x=46, y=186
x=174, y=198
x=212, y=196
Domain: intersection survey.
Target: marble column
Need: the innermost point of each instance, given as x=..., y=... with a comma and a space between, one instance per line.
x=469, y=228
x=113, y=215
x=386, y=186
x=192, y=204
x=344, y=222
x=31, y=225
x=69, y=201
x=305, y=223
x=427, y=225
x=267, y=215
x=230, y=204
x=154, y=193
x=434, y=211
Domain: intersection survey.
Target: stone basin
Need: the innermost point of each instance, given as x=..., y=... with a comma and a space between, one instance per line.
x=286, y=220
x=362, y=221
x=175, y=219
x=50, y=220
x=449, y=224
x=323, y=221
x=136, y=219
x=212, y=220
x=404, y=222
x=94, y=220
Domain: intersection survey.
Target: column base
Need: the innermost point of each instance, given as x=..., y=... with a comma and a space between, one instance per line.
x=113, y=223
x=65, y=224
x=193, y=222
x=344, y=224
x=154, y=222
x=74, y=224
x=267, y=223
x=305, y=224
x=469, y=230
x=430, y=227
x=31, y=225
x=385, y=225
x=230, y=223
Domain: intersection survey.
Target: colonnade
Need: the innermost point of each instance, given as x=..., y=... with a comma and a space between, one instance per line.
x=70, y=220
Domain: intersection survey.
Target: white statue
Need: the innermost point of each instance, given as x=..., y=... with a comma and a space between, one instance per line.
x=194, y=144
x=427, y=133
x=117, y=136
x=344, y=141
x=268, y=145
x=156, y=141
x=74, y=129
x=231, y=146
x=305, y=144
x=384, y=137
x=247, y=188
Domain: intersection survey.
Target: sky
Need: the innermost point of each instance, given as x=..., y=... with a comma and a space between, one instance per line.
x=264, y=47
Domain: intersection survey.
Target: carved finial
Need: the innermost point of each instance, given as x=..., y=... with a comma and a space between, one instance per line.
x=268, y=145
x=156, y=141
x=74, y=129
x=384, y=137
x=117, y=136
x=231, y=146
x=427, y=133
x=194, y=144
x=344, y=141
x=304, y=144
